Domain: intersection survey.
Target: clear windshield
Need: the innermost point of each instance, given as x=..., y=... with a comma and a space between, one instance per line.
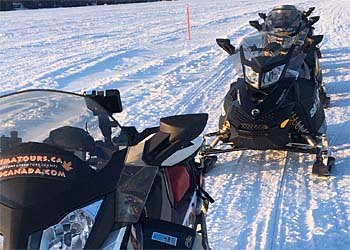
x=266, y=44
x=265, y=48
x=285, y=18
x=71, y=122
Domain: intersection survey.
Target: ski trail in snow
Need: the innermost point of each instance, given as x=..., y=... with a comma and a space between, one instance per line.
x=252, y=193
x=278, y=205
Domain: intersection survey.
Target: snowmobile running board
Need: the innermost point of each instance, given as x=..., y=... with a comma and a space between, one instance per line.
x=210, y=149
x=321, y=167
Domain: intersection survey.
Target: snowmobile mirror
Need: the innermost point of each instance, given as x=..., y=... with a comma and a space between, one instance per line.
x=262, y=15
x=226, y=45
x=256, y=25
x=314, y=40
x=312, y=20
x=309, y=11
x=110, y=100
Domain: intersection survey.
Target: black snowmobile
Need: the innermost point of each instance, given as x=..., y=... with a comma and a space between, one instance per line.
x=276, y=104
x=289, y=20
x=286, y=19
x=71, y=177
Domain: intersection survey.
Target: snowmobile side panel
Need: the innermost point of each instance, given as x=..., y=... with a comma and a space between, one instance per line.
x=183, y=153
x=27, y=201
x=308, y=105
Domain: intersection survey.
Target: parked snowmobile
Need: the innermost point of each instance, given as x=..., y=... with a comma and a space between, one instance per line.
x=276, y=104
x=288, y=20
x=71, y=177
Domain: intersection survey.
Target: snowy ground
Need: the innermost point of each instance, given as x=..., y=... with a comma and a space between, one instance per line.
x=264, y=200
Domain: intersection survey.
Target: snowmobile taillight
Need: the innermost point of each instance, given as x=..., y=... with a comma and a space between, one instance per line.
x=284, y=123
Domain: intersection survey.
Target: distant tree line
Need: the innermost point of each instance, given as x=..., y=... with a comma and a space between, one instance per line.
x=36, y=4
x=6, y=5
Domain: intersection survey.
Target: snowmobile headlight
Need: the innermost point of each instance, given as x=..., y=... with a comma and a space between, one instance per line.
x=72, y=231
x=251, y=76
x=272, y=76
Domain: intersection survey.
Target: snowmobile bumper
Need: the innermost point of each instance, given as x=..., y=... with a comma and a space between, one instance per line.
x=261, y=140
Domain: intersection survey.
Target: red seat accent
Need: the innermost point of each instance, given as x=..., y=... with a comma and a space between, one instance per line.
x=179, y=180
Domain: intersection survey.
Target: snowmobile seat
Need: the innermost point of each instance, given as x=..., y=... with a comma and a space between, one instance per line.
x=183, y=127
x=175, y=132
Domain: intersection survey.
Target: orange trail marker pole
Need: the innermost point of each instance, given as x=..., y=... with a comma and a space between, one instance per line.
x=188, y=22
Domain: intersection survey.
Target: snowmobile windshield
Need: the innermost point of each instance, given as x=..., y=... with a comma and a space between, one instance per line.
x=267, y=44
x=265, y=55
x=66, y=121
x=284, y=18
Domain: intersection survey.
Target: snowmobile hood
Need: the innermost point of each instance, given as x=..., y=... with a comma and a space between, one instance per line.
x=250, y=99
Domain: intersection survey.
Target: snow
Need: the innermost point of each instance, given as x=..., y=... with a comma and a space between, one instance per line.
x=264, y=200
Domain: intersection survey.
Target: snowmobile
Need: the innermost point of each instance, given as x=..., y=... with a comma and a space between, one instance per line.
x=72, y=177
x=288, y=20
x=276, y=103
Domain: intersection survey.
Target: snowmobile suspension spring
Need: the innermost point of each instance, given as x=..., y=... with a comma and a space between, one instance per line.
x=297, y=124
